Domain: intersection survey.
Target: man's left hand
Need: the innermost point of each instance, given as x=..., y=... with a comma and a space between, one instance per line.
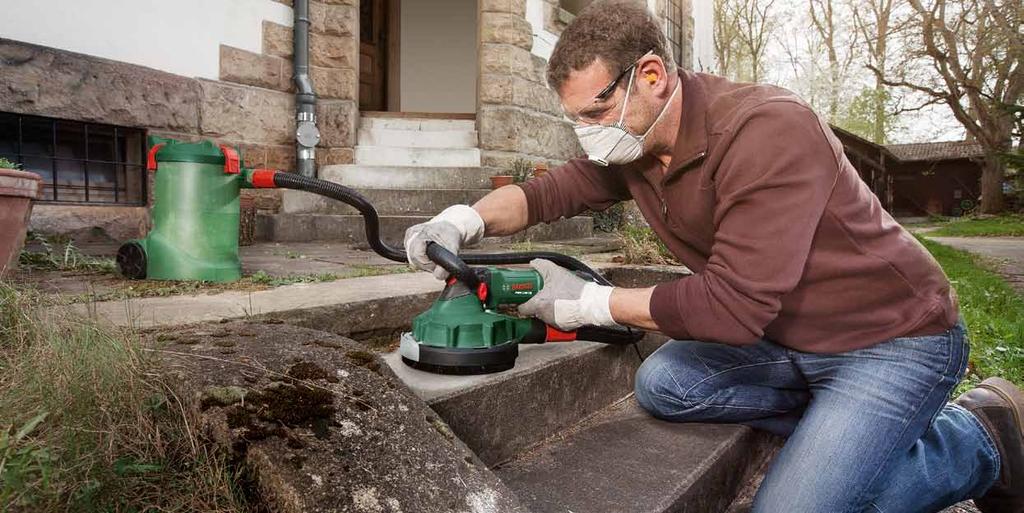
x=567, y=301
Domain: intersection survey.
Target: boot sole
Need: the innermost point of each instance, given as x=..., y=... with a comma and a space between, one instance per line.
x=1011, y=394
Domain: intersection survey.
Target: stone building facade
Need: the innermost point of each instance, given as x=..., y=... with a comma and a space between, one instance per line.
x=250, y=104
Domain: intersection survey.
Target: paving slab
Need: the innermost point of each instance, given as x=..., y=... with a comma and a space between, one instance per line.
x=1008, y=251
x=626, y=460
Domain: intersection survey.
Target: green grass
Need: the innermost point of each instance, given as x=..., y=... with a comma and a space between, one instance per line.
x=993, y=311
x=87, y=424
x=1004, y=225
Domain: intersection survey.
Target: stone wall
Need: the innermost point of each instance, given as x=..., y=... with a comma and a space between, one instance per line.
x=251, y=107
x=517, y=115
x=334, y=68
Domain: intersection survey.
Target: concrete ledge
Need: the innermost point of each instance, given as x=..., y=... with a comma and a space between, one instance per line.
x=413, y=201
x=177, y=310
x=351, y=228
x=408, y=177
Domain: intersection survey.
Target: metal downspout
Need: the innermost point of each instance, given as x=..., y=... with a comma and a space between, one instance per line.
x=307, y=136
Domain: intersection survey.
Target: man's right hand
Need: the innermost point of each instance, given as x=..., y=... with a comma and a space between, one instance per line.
x=453, y=228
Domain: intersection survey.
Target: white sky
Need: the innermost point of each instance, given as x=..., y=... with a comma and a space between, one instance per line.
x=935, y=123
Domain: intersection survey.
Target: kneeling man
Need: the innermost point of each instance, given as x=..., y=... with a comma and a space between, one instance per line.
x=811, y=314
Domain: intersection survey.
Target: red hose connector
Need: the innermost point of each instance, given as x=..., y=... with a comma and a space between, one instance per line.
x=263, y=178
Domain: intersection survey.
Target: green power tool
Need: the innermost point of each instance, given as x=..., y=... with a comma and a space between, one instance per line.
x=463, y=332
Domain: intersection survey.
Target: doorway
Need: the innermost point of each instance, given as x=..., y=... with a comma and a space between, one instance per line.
x=378, y=55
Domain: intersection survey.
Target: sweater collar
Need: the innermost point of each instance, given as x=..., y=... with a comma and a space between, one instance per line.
x=692, y=141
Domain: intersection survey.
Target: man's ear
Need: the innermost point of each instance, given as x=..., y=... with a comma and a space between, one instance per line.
x=652, y=73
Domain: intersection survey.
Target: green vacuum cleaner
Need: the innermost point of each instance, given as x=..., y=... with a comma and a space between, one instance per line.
x=465, y=331
x=195, y=215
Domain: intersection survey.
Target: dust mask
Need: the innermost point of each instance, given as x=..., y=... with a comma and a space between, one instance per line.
x=614, y=144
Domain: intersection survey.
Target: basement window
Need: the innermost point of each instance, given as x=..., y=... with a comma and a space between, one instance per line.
x=83, y=163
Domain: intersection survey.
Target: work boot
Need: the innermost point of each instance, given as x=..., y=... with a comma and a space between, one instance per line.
x=999, y=405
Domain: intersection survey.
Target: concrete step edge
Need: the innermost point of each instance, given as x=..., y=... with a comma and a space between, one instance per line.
x=692, y=467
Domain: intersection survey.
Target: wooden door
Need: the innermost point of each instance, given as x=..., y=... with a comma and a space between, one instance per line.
x=373, y=54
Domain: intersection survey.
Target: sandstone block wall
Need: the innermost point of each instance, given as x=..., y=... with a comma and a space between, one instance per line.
x=517, y=116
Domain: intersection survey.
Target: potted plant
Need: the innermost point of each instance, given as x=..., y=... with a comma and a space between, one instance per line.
x=521, y=169
x=499, y=181
x=520, y=172
x=17, y=190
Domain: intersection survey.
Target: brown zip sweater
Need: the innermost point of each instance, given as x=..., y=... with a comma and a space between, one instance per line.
x=785, y=240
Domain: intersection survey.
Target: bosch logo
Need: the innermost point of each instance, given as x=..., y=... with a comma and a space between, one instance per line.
x=522, y=286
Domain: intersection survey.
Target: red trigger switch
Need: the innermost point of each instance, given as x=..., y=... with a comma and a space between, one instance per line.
x=481, y=291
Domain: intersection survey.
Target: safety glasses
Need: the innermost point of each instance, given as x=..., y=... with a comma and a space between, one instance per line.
x=603, y=94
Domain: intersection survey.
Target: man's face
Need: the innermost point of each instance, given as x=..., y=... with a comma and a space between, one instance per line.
x=581, y=104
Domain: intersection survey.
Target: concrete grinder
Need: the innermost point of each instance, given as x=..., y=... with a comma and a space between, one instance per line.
x=464, y=332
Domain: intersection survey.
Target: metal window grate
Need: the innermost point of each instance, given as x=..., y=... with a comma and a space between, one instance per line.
x=83, y=163
x=674, y=28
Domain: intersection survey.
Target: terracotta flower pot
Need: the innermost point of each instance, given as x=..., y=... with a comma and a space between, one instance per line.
x=540, y=170
x=17, y=190
x=500, y=181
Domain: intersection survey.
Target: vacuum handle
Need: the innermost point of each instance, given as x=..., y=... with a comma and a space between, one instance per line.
x=453, y=264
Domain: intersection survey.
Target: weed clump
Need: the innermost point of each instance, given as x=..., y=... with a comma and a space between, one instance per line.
x=640, y=245
x=87, y=424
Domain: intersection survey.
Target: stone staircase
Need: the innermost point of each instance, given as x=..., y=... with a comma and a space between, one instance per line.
x=564, y=433
x=410, y=168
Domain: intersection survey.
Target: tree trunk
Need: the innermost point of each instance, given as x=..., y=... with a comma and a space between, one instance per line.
x=992, y=185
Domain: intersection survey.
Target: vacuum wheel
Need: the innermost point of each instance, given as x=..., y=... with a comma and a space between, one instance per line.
x=131, y=261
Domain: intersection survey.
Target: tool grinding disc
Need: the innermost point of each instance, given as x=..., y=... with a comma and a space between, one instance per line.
x=455, y=361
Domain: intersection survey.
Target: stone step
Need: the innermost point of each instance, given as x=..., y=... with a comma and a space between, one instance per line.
x=625, y=460
x=426, y=157
x=408, y=177
x=429, y=124
x=350, y=228
x=387, y=201
x=552, y=387
x=396, y=138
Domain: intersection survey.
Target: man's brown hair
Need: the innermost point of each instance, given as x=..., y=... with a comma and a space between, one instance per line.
x=616, y=31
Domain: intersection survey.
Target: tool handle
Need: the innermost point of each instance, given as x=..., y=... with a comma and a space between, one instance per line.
x=453, y=264
x=540, y=333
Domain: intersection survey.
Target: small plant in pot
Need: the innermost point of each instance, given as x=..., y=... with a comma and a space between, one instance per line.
x=17, y=190
x=519, y=173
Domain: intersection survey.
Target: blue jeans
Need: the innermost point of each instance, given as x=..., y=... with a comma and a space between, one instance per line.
x=868, y=430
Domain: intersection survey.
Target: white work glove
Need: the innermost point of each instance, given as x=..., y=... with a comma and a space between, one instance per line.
x=567, y=301
x=454, y=227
